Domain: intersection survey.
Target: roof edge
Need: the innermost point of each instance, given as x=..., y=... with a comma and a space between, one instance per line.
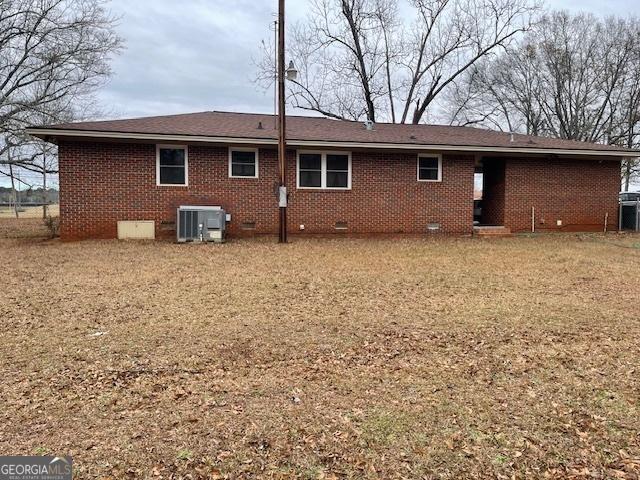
x=43, y=132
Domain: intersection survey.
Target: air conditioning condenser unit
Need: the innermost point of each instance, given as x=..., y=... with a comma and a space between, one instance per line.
x=201, y=224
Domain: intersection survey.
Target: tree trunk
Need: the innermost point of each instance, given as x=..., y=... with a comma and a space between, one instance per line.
x=347, y=11
x=45, y=200
x=627, y=174
x=14, y=194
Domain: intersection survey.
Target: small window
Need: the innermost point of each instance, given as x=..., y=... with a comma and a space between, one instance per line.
x=330, y=170
x=310, y=170
x=337, y=171
x=171, y=165
x=243, y=163
x=429, y=168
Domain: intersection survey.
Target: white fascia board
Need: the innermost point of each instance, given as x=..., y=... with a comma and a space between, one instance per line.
x=154, y=137
x=463, y=148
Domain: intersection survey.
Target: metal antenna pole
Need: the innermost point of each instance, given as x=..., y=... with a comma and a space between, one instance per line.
x=282, y=143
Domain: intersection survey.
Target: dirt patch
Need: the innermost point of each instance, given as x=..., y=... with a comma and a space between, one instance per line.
x=453, y=358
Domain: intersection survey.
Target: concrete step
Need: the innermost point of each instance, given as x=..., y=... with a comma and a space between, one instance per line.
x=491, y=231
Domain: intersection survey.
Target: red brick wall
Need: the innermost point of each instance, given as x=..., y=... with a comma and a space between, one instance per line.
x=102, y=183
x=578, y=192
x=387, y=198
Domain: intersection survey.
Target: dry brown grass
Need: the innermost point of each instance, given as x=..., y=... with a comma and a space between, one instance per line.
x=453, y=358
x=22, y=228
x=29, y=212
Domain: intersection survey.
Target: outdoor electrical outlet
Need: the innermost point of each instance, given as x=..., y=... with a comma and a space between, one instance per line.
x=301, y=227
x=559, y=223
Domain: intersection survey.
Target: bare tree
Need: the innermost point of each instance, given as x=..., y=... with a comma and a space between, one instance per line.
x=503, y=93
x=53, y=53
x=574, y=77
x=625, y=123
x=361, y=59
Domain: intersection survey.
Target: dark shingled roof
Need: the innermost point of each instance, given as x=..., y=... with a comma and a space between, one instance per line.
x=246, y=125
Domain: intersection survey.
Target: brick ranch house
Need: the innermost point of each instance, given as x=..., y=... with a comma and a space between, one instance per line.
x=342, y=176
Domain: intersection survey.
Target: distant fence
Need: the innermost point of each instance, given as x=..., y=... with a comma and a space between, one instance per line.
x=25, y=204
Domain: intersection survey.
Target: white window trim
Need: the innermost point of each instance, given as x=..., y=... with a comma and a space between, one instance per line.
x=323, y=169
x=239, y=149
x=186, y=166
x=429, y=155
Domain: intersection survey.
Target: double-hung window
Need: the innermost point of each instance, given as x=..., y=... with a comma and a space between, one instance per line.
x=172, y=165
x=328, y=170
x=243, y=162
x=429, y=168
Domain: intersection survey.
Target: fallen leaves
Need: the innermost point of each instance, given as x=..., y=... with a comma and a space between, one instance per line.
x=332, y=359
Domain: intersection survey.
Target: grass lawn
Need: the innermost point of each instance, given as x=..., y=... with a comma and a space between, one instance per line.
x=412, y=358
x=28, y=212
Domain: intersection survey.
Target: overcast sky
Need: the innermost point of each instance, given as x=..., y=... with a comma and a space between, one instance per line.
x=192, y=58
x=198, y=56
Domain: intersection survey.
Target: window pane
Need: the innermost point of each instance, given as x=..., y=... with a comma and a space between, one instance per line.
x=428, y=168
x=428, y=174
x=310, y=178
x=429, y=162
x=338, y=162
x=243, y=170
x=243, y=157
x=172, y=156
x=310, y=161
x=172, y=175
x=337, y=179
